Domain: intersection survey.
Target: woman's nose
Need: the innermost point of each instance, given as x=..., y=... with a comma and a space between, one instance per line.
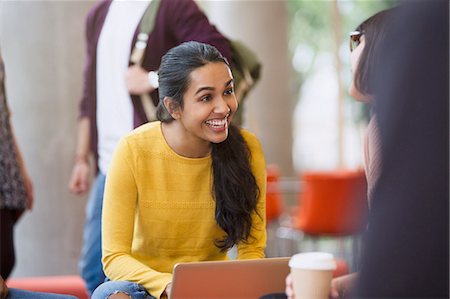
x=222, y=107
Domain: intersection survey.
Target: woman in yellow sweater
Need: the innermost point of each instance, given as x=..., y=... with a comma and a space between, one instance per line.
x=185, y=188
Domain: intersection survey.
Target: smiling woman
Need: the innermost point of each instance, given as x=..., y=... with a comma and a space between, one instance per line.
x=185, y=188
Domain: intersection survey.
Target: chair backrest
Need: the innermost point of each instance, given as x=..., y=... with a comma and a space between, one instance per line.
x=274, y=202
x=332, y=203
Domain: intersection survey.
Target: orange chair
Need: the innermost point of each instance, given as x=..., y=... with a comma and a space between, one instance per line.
x=331, y=204
x=70, y=285
x=274, y=202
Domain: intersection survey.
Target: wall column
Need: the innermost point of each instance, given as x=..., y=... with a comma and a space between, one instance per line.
x=262, y=26
x=43, y=48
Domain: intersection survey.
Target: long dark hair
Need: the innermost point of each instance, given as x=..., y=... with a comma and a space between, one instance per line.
x=373, y=29
x=234, y=185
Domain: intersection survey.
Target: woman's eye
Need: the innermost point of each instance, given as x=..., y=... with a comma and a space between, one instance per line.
x=229, y=91
x=205, y=98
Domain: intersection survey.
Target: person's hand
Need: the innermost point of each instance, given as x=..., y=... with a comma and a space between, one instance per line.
x=3, y=288
x=29, y=189
x=342, y=285
x=79, y=180
x=339, y=286
x=136, y=79
x=289, y=287
x=168, y=290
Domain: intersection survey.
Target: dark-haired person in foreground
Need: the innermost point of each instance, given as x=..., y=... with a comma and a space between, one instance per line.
x=407, y=250
x=185, y=188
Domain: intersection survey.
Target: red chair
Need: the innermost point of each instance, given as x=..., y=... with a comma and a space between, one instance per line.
x=274, y=202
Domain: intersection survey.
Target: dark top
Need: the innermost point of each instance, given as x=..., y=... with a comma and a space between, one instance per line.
x=407, y=252
x=177, y=21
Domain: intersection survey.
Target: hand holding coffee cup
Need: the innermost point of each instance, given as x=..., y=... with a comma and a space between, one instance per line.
x=311, y=275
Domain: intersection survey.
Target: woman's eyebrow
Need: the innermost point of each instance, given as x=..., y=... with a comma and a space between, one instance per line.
x=212, y=88
x=204, y=88
x=229, y=82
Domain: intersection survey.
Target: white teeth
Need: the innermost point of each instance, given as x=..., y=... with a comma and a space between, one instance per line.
x=216, y=122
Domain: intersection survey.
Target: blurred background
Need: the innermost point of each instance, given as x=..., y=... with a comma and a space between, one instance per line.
x=300, y=109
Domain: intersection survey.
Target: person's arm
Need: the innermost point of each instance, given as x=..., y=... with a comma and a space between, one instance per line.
x=118, y=219
x=256, y=244
x=3, y=288
x=79, y=180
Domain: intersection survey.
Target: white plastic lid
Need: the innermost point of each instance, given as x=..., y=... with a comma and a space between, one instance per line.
x=313, y=260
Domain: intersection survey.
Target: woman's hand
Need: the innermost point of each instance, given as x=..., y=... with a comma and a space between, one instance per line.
x=289, y=287
x=341, y=286
x=168, y=290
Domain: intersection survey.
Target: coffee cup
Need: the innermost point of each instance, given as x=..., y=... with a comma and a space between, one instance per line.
x=311, y=274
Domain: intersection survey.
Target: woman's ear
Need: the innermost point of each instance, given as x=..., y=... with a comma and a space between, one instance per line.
x=172, y=107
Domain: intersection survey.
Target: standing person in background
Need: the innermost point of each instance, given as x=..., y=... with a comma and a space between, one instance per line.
x=364, y=47
x=16, y=188
x=111, y=106
x=186, y=188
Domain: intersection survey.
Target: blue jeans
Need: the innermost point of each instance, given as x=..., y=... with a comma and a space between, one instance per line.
x=90, y=263
x=132, y=289
x=22, y=294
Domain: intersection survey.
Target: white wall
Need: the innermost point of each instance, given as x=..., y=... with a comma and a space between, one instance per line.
x=42, y=43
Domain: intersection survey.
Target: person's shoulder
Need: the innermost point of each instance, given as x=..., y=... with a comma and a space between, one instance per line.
x=251, y=139
x=147, y=130
x=177, y=2
x=182, y=6
x=96, y=9
x=143, y=137
x=99, y=5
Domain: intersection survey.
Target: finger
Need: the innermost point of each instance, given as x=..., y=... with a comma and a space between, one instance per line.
x=84, y=184
x=334, y=294
x=289, y=293
x=289, y=279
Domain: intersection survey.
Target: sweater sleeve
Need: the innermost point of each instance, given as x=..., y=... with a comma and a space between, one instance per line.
x=119, y=205
x=189, y=23
x=256, y=244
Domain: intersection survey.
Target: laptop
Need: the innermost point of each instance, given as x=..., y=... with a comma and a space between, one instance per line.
x=236, y=279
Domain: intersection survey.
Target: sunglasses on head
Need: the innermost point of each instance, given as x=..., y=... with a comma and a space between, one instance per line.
x=355, y=39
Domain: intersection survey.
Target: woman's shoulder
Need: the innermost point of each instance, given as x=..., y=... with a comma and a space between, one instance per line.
x=251, y=139
x=144, y=133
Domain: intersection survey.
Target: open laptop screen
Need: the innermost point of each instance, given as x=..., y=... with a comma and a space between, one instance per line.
x=229, y=279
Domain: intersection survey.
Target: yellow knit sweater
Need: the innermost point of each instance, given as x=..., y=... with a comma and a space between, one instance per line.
x=158, y=210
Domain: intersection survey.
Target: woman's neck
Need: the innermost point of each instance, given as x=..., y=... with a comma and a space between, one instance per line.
x=183, y=143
